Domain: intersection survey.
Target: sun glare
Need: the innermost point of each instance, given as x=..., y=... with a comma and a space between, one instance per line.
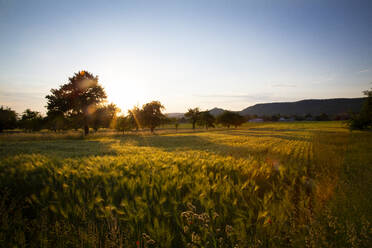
x=125, y=96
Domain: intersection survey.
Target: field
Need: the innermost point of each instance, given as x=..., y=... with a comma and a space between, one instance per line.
x=262, y=185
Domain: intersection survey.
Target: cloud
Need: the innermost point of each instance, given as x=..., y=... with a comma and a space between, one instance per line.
x=21, y=95
x=364, y=70
x=284, y=85
x=323, y=80
x=254, y=98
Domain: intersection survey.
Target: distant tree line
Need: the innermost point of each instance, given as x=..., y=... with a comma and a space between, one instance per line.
x=207, y=120
x=81, y=103
x=307, y=117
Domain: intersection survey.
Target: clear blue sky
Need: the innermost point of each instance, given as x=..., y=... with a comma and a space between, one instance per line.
x=229, y=54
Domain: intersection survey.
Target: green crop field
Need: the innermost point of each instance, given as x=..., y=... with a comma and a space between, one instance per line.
x=303, y=184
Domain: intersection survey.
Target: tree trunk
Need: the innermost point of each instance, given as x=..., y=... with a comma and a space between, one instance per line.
x=193, y=125
x=86, y=129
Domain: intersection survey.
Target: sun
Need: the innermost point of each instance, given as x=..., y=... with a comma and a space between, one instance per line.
x=125, y=96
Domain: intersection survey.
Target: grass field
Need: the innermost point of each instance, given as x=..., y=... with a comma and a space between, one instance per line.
x=303, y=184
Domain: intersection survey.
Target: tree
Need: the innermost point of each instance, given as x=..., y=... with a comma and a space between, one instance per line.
x=104, y=116
x=78, y=99
x=193, y=115
x=123, y=124
x=56, y=121
x=175, y=121
x=308, y=117
x=322, y=117
x=135, y=117
x=363, y=120
x=8, y=119
x=152, y=115
x=31, y=121
x=238, y=120
x=228, y=118
x=206, y=119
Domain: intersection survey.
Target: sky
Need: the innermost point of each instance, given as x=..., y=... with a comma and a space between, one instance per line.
x=186, y=54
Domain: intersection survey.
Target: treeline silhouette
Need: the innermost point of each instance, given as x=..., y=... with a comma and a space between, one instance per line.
x=81, y=104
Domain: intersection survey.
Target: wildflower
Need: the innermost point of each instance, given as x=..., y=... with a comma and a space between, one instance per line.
x=138, y=243
x=220, y=240
x=145, y=236
x=150, y=241
x=228, y=229
x=195, y=238
x=191, y=207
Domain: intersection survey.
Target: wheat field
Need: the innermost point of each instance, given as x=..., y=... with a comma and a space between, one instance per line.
x=304, y=184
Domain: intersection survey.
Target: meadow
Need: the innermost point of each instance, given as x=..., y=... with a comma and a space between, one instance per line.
x=300, y=184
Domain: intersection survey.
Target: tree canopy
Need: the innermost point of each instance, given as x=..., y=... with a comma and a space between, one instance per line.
x=152, y=115
x=31, y=120
x=363, y=120
x=206, y=119
x=104, y=116
x=8, y=118
x=193, y=115
x=228, y=118
x=79, y=98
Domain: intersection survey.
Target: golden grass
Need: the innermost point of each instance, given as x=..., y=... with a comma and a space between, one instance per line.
x=266, y=184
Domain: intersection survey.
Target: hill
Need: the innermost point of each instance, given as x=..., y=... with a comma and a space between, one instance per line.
x=303, y=107
x=175, y=115
x=216, y=111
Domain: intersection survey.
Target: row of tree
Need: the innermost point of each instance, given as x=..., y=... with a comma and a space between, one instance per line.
x=149, y=116
x=206, y=119
x=33, y=121
x=81, y=103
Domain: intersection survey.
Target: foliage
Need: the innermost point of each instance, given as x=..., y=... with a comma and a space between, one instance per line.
x=55, y=121
x=104, y=116
x=193, y=115
x=206, y=119
x=152, y=115
x=77, y=99
x=123, y=123
x=8, y=118
x=228, y=118
x=135, y=117
x=322, y=117
x=31, y=121
x=363, y=120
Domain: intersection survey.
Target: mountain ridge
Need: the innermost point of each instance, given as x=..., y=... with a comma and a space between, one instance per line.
x=330, y=106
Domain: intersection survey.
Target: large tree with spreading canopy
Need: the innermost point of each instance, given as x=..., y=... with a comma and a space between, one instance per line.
x=78, y=99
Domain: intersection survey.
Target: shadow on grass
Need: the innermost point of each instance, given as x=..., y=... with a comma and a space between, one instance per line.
x=74, y=148
x=60, y=148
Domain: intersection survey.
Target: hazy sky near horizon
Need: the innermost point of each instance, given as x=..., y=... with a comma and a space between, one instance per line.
x=228, y=54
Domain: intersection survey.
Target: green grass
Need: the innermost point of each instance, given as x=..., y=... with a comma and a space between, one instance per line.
x=303, y=184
